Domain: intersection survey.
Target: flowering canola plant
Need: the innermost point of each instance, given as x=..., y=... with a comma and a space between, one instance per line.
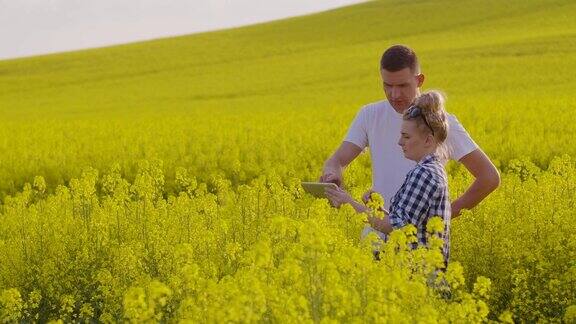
x=107, y=249
x=160, y=181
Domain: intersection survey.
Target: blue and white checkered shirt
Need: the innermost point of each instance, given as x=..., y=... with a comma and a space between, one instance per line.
x=423, y=194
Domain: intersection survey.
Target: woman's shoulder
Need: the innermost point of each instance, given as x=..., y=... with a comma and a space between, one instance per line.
x=432, y=171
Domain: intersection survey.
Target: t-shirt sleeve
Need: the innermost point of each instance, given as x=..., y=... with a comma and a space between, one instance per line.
x=358, y=131
x=458, y=141
x=413, y=201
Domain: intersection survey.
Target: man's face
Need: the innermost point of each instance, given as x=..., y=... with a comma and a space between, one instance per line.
x=401, y=87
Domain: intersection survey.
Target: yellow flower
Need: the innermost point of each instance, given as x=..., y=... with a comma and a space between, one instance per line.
x=435, y=225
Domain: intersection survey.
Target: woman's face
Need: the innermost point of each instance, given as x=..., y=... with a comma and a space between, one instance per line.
x=414, y=142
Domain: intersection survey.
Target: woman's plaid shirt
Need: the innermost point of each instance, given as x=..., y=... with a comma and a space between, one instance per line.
x=423, y=194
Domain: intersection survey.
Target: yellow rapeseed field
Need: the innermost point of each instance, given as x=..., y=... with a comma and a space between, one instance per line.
x=160, y=181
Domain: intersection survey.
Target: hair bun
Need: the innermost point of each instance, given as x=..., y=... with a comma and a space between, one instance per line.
x=432, y=100
x=431, y=104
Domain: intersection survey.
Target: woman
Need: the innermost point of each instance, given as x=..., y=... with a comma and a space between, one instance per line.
x=424, y=193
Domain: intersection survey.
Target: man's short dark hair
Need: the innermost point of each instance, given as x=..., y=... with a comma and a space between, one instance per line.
x=399, y=57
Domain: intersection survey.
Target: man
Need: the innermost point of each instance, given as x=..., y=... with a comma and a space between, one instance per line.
x=377, y=126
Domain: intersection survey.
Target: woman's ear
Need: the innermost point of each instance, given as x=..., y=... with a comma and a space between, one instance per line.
x=430, y=140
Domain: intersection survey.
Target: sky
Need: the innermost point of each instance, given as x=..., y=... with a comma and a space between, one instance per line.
x=33, y=27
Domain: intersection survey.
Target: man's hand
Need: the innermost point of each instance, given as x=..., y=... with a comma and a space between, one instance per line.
x=455, y=209
x=333, y=167
x=332, y=176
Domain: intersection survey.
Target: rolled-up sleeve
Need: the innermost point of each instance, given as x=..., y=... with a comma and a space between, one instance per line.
x=413, y=200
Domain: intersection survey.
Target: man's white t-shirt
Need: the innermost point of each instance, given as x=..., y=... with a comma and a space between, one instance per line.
x=377, y=126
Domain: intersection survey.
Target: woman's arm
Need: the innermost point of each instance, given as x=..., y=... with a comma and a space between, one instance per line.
x=358, y=207
x=380, y=224
x=338, y=197
x=413, y=199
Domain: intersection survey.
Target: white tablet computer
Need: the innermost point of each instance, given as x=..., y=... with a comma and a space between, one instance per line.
x=316, y=189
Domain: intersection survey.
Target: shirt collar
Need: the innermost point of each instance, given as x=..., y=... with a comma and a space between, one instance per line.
x=428, y=158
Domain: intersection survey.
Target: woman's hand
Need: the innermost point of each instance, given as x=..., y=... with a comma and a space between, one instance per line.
x=338, y=197
x=366, y=196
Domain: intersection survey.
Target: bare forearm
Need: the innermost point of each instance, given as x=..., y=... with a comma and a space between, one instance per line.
x=360, y=208
x=487, y=179
x=380, y=224
x=333, y=164
x=473, y=196
x=332, y=170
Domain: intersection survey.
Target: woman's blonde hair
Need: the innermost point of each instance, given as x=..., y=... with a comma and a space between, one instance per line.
x=434, y=117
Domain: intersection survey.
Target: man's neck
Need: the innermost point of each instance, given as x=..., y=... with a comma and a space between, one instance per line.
x=401, y=112
x=398, y=111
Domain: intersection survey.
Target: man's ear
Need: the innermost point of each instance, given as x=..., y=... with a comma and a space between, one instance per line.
x=420, y=79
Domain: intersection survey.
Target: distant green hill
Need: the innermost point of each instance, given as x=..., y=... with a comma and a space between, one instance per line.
x=491, y=49
x=505, y=66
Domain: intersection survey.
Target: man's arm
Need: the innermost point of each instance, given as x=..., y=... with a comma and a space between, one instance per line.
x=487, y=180
x=332, y=171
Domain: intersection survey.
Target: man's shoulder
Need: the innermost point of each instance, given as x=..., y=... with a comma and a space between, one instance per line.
x=453, y=122
x=459, y=143
x=377, y=107
x=375, y=110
